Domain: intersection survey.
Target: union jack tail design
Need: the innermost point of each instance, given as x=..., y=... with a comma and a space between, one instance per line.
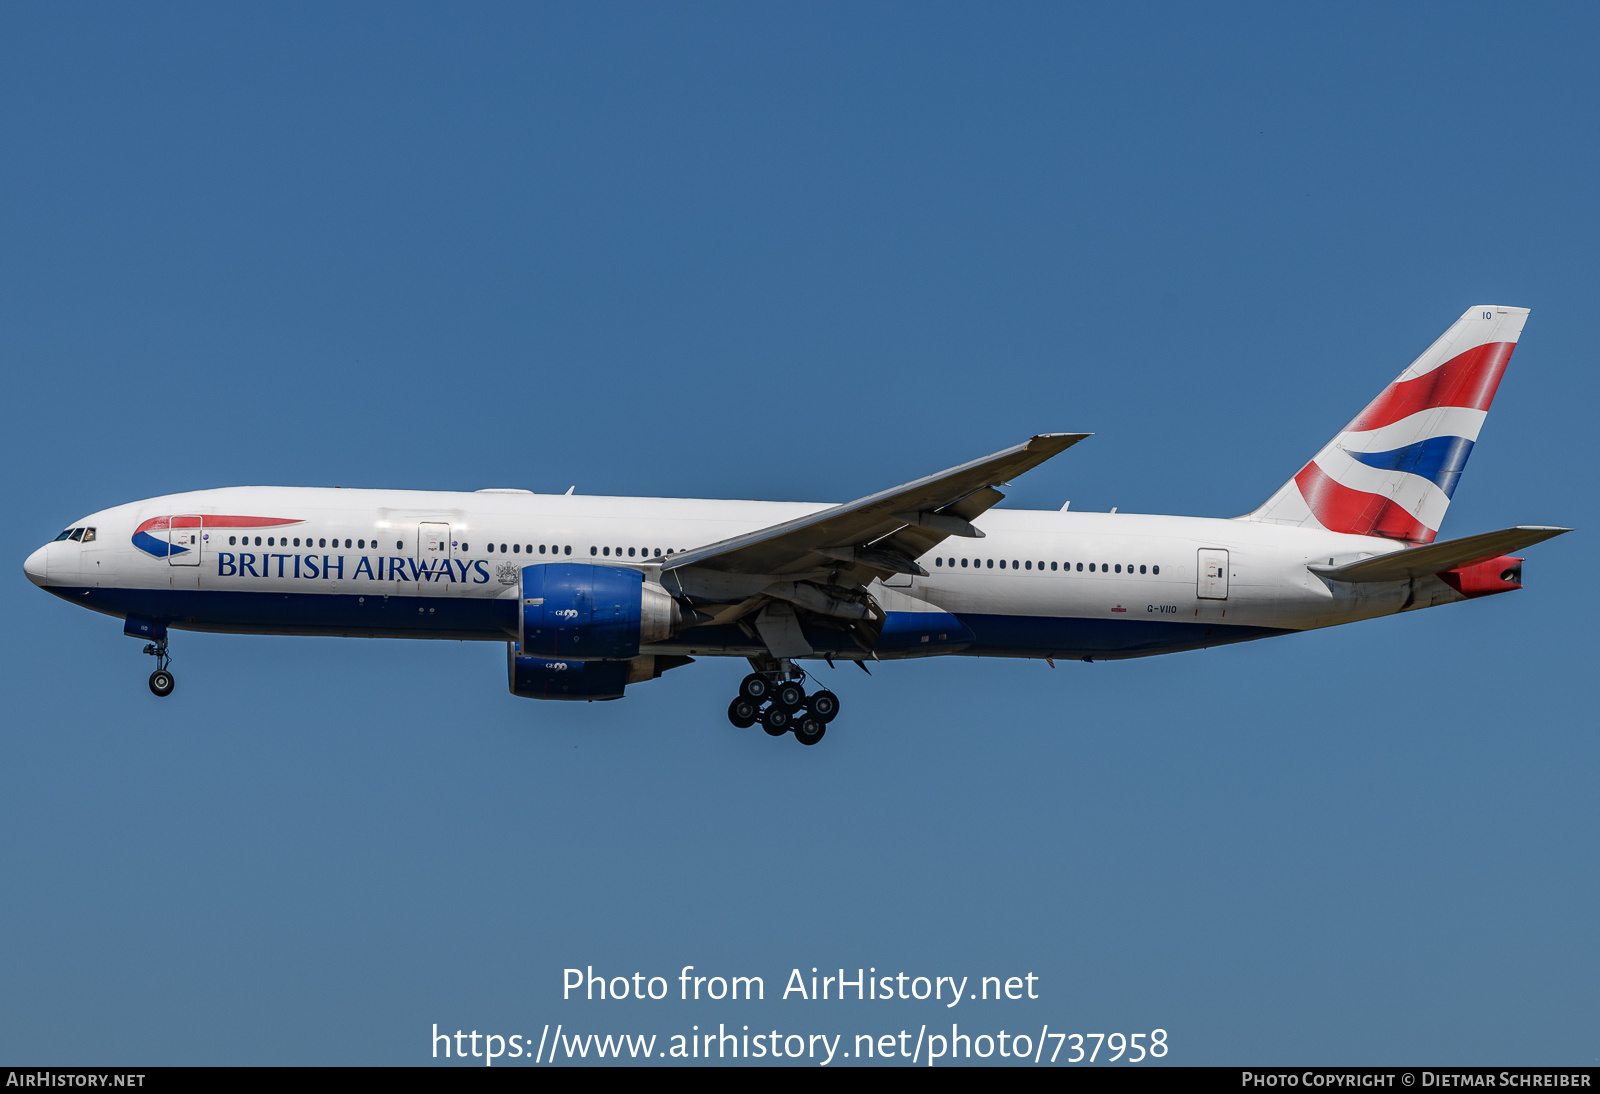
x=1391, y=472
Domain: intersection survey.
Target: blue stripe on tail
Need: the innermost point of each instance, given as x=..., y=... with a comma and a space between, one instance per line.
x=1437, y=459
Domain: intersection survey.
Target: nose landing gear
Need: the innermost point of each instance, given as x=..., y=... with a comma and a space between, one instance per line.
x=781, y=704
x=161, y=680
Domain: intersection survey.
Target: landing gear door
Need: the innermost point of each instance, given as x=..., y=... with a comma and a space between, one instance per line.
x=433, y=552
x=1213, y=579
x=183, y=541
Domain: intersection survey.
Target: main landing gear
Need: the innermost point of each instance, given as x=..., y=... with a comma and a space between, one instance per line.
x=782, y=705
x=161, y=681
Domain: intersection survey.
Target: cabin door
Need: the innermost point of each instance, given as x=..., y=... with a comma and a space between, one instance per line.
x=433, y=552
x=1213, y=580
x=183, y=541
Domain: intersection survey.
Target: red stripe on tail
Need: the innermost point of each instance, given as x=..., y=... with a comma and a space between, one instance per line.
x=1356, y=512
x=1469, y=379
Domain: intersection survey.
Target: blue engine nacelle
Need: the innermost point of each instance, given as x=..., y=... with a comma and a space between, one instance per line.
x=543, y=678
x=552, y=678
x=577, y=612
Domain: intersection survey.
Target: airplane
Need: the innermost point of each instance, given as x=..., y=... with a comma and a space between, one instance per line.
x=593, y=594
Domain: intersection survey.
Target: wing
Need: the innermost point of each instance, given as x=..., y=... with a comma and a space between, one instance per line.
x=882, y=532
x=1437, y=557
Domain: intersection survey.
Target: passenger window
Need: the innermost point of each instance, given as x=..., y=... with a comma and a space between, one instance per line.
x=1155, y=569
x=1141, y=569
x=594, y=550
x=989, y=562
x=1052, y=566
x=938, y=562
x=1013, y=564
x=463, y=545
x=1080, y=567
x=1119, y=567
x=232, y=540
x=347, y=543
x=569, y=549
x=1091, y=567
x=630, y=552
x=963, y=564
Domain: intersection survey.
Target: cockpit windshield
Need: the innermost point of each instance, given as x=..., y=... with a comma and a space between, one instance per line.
x=82, y=535
x=65, y=535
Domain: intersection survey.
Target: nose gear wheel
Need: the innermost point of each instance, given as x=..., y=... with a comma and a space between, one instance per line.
x=162, y=680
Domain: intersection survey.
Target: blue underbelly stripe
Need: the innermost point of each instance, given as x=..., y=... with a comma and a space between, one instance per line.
x=356, y=615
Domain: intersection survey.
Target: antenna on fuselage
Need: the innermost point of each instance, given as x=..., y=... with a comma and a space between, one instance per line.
x=570, y=489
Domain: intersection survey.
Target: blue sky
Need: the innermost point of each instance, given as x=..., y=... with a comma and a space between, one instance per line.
x=794, y=252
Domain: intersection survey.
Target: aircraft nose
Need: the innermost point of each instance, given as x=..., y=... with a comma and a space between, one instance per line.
x=34, y=567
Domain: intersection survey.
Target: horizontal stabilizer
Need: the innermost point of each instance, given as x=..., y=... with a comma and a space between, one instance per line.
x=1438, y=557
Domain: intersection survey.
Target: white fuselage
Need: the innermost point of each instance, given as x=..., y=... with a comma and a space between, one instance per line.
x=428, y=564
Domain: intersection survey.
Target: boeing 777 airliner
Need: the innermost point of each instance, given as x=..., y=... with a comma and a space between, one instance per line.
x=592, y=594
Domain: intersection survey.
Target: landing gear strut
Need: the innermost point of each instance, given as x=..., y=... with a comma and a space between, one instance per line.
x=161, y=681
x=775, y=696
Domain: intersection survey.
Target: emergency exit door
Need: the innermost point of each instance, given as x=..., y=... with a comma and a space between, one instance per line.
x=1213, y=576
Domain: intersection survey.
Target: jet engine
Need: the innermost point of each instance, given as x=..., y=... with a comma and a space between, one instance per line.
x=577, y=612
x=550, y=678
x=543, y=678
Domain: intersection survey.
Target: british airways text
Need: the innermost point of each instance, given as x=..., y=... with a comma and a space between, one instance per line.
x=376, y=568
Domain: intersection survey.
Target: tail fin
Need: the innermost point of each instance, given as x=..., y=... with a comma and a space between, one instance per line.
x=1392, y=470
